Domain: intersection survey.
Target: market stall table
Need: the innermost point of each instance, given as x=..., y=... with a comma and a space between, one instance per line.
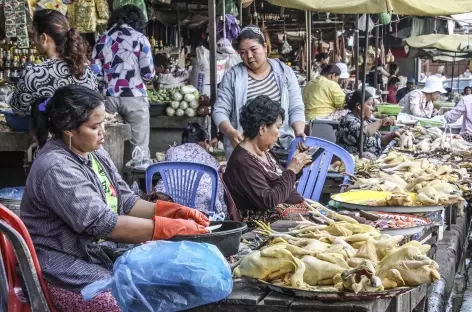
x=116, y=135
x=249, y=295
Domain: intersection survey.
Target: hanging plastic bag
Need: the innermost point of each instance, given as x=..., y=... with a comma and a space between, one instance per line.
x=166, y=276
x=226, y=7
x=286, y=48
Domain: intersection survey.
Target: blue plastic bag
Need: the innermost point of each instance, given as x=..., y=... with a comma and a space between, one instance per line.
x=12, y=193
x=167, y=276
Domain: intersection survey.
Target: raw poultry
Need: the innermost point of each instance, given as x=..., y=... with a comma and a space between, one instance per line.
x=412, y=181
x=343, y=256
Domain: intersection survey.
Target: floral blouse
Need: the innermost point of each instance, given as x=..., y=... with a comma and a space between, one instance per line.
x=125, y=58
x=193, y=152
x=348, y=136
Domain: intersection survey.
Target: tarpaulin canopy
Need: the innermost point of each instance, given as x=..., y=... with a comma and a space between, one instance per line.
x=449, y=43
x=402, y=7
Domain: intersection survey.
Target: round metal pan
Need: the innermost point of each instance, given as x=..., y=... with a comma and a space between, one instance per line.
x=357, y=200
x=337, y=296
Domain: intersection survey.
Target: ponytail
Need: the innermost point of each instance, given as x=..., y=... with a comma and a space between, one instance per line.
x=39, y=122
x=69, y=44
x=75, y=52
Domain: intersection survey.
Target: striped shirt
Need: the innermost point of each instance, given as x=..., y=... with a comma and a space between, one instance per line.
x=267, y=86
x=64, y=208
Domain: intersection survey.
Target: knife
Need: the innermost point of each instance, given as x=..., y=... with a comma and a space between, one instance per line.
x=213, y=227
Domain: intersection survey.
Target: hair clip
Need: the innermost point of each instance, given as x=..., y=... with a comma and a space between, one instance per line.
x=43, y=105
x=254, y=29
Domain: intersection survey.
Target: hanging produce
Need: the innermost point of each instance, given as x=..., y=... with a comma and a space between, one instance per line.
x=385, y=18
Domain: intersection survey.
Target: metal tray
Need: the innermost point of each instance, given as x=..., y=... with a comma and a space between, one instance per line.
x=339, y=198
x=391, y=208
x=404, y=231
x=337, y=296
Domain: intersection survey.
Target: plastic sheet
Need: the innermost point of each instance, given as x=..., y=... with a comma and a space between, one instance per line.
x=12, y=193
x=167, y=276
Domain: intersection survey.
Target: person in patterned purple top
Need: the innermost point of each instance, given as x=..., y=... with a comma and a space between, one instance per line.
x=124, y=56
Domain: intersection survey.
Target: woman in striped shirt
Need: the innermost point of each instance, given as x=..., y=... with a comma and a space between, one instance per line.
x=258, y=75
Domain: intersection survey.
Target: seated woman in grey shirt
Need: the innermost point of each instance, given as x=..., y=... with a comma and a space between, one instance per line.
x=74, y=198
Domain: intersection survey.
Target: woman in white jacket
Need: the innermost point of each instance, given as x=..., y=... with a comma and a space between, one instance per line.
x=257, y=75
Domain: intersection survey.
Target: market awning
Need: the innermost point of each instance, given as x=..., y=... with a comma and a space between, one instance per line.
x=450, y=43
x=403, y=7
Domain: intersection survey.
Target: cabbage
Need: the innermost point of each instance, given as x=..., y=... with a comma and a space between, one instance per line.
x=193, y=104
x=174, y=104
x=190, y=112
x=189, y=97
x=187, y=89
x=178, y=97
x=183, y=105
x=170, y=111
x=179, y=112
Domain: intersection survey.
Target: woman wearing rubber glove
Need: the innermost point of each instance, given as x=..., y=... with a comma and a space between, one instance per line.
x=76, y=203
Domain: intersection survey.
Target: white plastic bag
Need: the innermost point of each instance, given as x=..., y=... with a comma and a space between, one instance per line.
x=140, y=158
x=200, y=77
x=286, y=48
x=225, y=48
x=167, y=81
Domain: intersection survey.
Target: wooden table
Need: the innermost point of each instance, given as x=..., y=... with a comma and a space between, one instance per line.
x=249, y=295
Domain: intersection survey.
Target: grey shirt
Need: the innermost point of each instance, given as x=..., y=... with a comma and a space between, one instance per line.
x=64, y=208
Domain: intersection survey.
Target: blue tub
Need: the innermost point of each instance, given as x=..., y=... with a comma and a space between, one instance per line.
x=17, y=122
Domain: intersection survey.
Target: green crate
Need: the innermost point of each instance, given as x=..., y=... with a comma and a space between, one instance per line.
x=431, y=123
x=389, y=109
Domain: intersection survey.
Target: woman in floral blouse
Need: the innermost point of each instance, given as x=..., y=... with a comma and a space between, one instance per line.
x=350, y=128
x=194, y=148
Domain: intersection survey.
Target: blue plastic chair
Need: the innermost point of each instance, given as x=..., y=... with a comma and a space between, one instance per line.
x=314, y=176
x=181, y=180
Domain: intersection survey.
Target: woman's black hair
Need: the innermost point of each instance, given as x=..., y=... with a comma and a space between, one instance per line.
x=67, y=110
x=356, y=99
x=130, y=15
x=321, y=56
x=467, y=88
x=258, y=112
x=194, y=133
x=330, y=69
x=392, y=68
x=392, y=81
x=69, y=44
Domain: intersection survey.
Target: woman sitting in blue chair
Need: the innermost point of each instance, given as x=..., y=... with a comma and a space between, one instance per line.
x=261, y=187
x=194, y=148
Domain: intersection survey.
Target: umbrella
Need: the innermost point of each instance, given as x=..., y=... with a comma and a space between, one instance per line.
x=402, y=7
x=449, y=43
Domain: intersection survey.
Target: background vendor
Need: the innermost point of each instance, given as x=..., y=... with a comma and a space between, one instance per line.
x=125, y=56
x=74, y=198
x=323, y=95
x=410, y=86
x=419, y=103
x=66, y=61
x=462, y=109
x=257, y=75
x=349, y=130
x=194, y=148
x=261, y=187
